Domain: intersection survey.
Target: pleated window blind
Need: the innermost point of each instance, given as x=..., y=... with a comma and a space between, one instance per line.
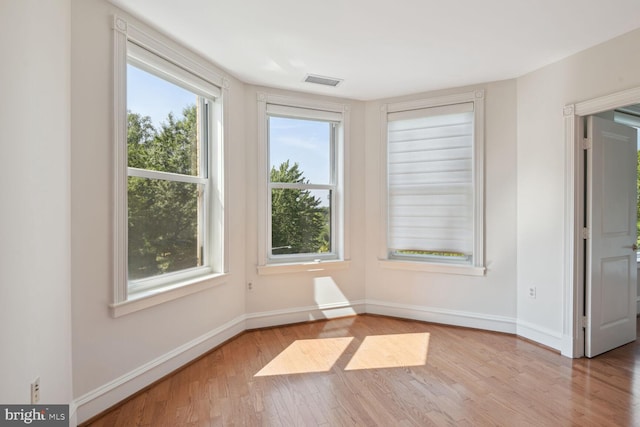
x=430, y=182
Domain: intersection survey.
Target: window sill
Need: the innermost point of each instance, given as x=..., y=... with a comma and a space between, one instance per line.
x=298, y=267
x=465, y=270
x=141, y=300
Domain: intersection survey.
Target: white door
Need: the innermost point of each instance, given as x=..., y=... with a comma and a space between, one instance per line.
x=611, y=283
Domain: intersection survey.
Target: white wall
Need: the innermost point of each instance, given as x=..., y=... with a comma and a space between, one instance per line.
x=487, y=301
x=34, y=172
x=294, y=297
x=601, y=70
x=114, y=357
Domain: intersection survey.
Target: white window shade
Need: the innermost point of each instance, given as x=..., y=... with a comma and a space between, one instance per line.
x=303, y=113
x=430, y=180
x=142, y=58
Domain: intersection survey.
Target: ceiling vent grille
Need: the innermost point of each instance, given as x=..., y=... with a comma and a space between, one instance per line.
x=320, y=80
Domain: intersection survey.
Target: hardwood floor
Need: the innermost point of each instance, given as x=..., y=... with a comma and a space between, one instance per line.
x=371, y=371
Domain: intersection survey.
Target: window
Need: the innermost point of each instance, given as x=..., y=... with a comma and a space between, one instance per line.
x=303, y=205
x=434, y=181
x=168, y=169
x=630, y=116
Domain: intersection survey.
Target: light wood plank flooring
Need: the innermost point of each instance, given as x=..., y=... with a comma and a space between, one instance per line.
x=379, y=371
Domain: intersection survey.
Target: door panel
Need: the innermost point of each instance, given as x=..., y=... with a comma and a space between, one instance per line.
x=615, y=307
x=611, y=282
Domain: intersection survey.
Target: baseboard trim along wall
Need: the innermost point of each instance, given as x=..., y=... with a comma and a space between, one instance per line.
x=438, y=315
x=540, y=335
x=113, y=392
x=304, y=314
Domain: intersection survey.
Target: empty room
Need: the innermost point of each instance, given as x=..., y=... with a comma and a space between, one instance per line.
x=339, y=213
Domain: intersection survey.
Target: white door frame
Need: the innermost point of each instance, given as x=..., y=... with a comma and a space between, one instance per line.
x=572, y=330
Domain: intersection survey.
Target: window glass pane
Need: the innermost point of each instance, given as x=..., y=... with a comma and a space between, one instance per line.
x=300, y=221
x=627, y=117
x=162, y=124
x=164, y=235
x=305, y=143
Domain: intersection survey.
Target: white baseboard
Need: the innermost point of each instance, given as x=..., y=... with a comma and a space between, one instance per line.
x=303, y=314
x=73, y=414
x=439, y=315
x=542, y=335
x=107, y=395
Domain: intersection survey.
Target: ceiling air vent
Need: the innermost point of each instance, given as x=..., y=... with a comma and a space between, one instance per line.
x=326, y=81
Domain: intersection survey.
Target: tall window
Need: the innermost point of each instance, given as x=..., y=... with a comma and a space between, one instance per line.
x=168, y=176
x=434, y=182
x=171, y=157
x=303, y=204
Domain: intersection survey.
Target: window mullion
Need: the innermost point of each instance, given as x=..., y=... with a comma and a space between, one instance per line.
x=166, y=176
x=301, y=186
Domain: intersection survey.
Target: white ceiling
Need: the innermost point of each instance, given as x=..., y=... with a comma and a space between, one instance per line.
x=385, y=48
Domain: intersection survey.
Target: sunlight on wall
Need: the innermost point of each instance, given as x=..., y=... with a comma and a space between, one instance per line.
x=391, y=351
x=304, y=356
x=327, y=291
x=327, y=295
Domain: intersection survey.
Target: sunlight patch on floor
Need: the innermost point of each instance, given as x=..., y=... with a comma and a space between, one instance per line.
x=391, y=351
x=375, y=352
x=304, y=356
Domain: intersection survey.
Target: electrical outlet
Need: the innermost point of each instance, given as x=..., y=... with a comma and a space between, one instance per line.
x=35, y=391
x=532, y=292
x=249, y=286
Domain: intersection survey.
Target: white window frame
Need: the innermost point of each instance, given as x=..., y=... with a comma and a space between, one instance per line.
x=433, y=264
x=292, y=107
x=633, y=121
x=150, y=52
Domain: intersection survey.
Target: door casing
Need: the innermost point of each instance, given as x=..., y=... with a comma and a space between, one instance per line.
x=574, y=261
